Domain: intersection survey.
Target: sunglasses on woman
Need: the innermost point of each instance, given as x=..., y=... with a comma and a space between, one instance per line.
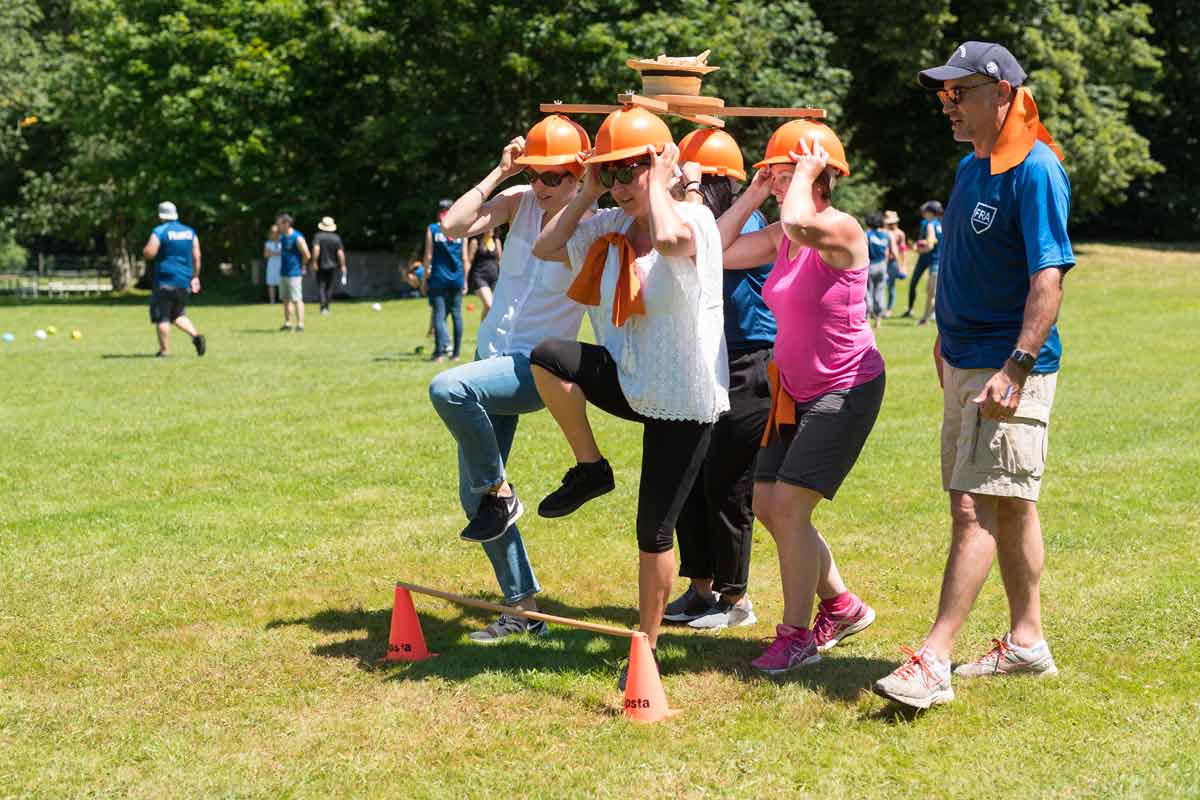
x=550, y=179
x=622, y=173
x=955, y=96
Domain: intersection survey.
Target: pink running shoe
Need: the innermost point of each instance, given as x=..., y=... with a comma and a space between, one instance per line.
x=830, y=629
x=792, y=648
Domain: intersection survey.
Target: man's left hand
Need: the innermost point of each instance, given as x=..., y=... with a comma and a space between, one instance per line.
x=1000, y=396
x=196, y=285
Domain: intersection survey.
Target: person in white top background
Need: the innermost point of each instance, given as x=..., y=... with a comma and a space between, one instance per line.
x=271, y=252
x=651, y=271
x=480, y=402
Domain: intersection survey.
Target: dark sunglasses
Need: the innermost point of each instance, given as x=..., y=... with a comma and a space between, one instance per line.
x=550, y=179
x=954, y=96
x=622, y=173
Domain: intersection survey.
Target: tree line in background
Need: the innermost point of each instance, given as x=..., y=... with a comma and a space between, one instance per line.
x=370, y=110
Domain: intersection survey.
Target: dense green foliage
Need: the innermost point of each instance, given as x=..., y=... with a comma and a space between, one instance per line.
x=371, y=110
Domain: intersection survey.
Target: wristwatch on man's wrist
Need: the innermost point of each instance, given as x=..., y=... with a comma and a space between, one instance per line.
x=1023, y=360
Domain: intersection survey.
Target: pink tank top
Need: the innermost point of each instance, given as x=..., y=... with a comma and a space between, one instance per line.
x=823, y=343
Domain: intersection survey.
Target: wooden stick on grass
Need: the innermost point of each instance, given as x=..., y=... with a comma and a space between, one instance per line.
x=608, y=630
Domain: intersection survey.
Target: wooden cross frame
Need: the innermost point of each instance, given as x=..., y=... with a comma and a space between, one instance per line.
x=699, y=109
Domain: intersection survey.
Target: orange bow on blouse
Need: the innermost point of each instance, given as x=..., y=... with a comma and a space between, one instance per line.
x=1021, y=129
x=585, y=289
x=783, y=407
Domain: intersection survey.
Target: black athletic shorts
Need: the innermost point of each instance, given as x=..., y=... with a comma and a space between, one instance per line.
x=819, y=451
x=168, y=305
x=672, y=450
x=482, y=276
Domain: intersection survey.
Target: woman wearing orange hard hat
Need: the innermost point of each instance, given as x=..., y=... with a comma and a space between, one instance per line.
x=716, y=525
x=827, y=377
x=480, y=402
x=650, y=271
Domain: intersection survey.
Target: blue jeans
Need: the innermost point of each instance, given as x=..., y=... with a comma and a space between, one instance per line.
x=446, y=301
x=480, y=403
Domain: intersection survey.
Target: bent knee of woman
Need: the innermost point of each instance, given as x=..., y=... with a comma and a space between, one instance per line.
x=445, y=390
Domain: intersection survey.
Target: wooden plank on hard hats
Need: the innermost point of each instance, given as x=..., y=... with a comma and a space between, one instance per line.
x=751, y=111
x=701, y=119
x=577, y=108
x=641, y=101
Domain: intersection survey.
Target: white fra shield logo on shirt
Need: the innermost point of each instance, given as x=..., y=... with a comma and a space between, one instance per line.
x=982, y=217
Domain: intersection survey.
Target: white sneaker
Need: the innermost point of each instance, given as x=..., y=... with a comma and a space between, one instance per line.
x=726, y=615
x=1005, y=658
x=920, y=682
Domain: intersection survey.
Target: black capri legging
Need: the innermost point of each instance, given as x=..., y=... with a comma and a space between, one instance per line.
x=672, y=450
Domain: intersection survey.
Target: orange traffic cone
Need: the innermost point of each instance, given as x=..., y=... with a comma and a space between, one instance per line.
x=645, y=700
x=406, y=642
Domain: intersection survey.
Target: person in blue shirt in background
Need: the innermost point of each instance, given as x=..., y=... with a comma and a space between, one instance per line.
x=879, y=244
x=716, y=524
x=1006, y=253
x=175, y=250
x=294, y=255
x=930, y=249
x=445, y=283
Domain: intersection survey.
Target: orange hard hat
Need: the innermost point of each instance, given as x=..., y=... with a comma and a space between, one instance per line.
x=554, y=142
x=787, y=136
x=626, y=133
x=715, y=151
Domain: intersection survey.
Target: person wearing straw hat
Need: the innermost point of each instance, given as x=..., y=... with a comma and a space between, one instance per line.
x=175, y=250
x=827, y=378
x=481, y=402
x=329, y=254
x=649, y=271
x=716, y=525
x=1006, y=252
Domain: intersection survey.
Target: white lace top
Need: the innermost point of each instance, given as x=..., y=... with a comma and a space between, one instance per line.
x=671, y=362
x=530, y=301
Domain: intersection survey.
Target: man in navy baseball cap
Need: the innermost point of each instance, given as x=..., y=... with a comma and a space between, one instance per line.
x=976, y=58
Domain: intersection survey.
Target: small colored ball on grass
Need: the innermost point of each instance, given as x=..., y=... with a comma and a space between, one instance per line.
x=8, y=337
x=39, y=334
x=51, y=330
x=76, y=334
x=376, y=307
x=470, y=306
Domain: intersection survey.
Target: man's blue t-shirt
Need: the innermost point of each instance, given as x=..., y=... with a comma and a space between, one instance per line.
x=749, y=324
x=877, y=245
x=291, y=261
x=1000, y=230
x=173, y=264
x=446, y=271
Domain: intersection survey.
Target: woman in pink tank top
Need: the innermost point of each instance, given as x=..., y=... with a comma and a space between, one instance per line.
x=827, y=378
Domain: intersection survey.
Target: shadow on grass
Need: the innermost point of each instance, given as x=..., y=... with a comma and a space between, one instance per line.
x=393, y=357
x=259, y=330
x=841, y=676
x=127, y=355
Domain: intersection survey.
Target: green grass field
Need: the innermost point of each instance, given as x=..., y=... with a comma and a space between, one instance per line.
x=198, y=558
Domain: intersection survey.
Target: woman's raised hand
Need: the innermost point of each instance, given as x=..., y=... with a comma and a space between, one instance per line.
x=508, y=157
x=663, y=166
x=811, y=160
x=591, y=187
x=760, y=186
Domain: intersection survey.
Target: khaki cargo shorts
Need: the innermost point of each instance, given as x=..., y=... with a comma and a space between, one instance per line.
x=983, y=456
x=291, y=288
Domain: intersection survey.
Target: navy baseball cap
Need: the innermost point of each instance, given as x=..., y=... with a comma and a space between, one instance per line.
x=975, y=58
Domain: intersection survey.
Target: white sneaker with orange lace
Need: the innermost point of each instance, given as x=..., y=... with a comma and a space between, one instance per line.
x=1006, y=658
x=920, y=682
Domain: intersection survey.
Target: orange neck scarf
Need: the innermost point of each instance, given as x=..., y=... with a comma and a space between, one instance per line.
x=585, y=289
x=783, y=407
x=1022, y=128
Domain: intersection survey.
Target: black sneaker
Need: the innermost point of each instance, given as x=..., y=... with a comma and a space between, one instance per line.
x=689, y=606
x=621, y=681
x=285, y=328
x=200, y=343
x=508, y=625
x=582, y=482
x=493, y=517
x=299, y=329
x=162, y=354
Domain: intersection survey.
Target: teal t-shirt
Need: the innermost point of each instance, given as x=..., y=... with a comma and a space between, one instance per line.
x=291, y=262
x=173, y=264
